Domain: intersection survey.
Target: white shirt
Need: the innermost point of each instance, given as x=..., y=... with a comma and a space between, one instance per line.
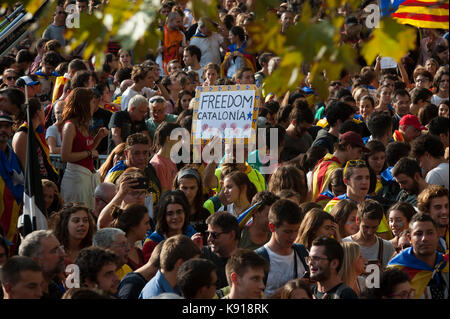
x=439, y=175
x=129, y=93
x=210, y=48
x=281, y=270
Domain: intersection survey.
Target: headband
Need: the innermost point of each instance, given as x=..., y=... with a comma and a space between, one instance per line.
x=188, y=172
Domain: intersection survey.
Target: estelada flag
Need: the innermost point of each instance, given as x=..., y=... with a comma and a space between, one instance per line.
x=33, y=198
x=11, y=193
x=419, y=13
x=246, y=217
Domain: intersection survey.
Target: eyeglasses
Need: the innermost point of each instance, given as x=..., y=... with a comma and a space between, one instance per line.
x=354, y=163
x=213, y=234
x=335, y=84
x=11, y=78
x=315, y=259
x=405, y=294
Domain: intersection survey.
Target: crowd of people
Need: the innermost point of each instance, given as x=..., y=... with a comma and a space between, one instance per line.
x=361, y=182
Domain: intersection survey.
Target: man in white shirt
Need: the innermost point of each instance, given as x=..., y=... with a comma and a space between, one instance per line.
x=208, y=42
x=429, y=153
x=191, y=57
x=144, y=78
x=287, y=260
x=373, y=248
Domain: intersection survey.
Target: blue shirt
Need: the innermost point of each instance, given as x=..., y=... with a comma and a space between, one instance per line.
x=156, y=286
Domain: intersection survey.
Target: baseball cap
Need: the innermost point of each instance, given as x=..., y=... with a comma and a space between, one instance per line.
x=5, y=117
x=354, y=139
x=28, y=80
x=412, y=120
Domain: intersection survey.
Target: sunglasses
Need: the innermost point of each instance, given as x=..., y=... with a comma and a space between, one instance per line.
x=354, y=163
x=335, y=84
x=11, y=78
x=213, y=234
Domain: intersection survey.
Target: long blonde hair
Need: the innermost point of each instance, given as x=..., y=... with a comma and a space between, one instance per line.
x=351, y=254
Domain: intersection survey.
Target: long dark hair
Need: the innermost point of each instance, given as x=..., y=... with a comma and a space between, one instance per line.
x=241, y=179
x=62, y=221
x=127, y=218
x=171, y=197
x=192, y=173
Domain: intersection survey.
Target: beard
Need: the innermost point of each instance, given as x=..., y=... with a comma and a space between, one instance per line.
x=321, y=276
x=414, y=190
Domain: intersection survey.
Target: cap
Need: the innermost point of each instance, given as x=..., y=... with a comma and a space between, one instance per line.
x=29, y=81
x=5, y=117
x=413, y=121
x=354, y=139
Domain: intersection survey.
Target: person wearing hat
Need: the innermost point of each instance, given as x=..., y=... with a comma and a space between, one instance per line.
x=350, y=147
x=32, y=83
x=11, y=180
x=409, y=128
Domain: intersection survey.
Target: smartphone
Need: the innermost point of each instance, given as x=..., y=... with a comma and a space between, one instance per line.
x=142, y=183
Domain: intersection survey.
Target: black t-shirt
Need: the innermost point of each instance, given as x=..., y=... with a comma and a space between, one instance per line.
x=100, y=119
x=295, y=146
x=340, y=291
x=220, y=262
x=122, y=120
x=131, y=286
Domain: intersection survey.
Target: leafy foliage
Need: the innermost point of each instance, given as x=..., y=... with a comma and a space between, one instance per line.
x=313, y=44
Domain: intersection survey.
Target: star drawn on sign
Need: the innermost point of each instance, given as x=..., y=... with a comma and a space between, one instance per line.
x=249, y=115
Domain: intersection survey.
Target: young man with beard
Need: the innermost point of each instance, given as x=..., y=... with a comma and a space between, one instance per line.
x=433, y=201
x=427, y=268
x=43, y=247
x=373, y=248
x=223, y=239
x=409, y=176
x=325, y=260
x=98, y=268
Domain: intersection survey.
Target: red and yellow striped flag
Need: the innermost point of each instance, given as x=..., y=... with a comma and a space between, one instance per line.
x=423, y=13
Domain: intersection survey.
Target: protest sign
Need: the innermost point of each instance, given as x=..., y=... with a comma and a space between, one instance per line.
x=228, y=111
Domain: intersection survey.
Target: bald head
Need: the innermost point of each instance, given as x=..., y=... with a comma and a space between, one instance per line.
x=103, y=195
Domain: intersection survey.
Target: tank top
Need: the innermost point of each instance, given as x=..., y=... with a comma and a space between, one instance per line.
x=82, y=143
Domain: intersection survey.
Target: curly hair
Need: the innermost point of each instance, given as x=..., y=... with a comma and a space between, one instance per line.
x=91, y=260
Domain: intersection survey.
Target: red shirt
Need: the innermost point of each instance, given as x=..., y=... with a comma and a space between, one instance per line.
x=82, y=143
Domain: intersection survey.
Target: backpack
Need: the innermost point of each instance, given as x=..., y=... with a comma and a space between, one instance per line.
x=299, y=250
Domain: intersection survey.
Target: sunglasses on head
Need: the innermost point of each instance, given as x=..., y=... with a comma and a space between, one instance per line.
x=354, y=163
